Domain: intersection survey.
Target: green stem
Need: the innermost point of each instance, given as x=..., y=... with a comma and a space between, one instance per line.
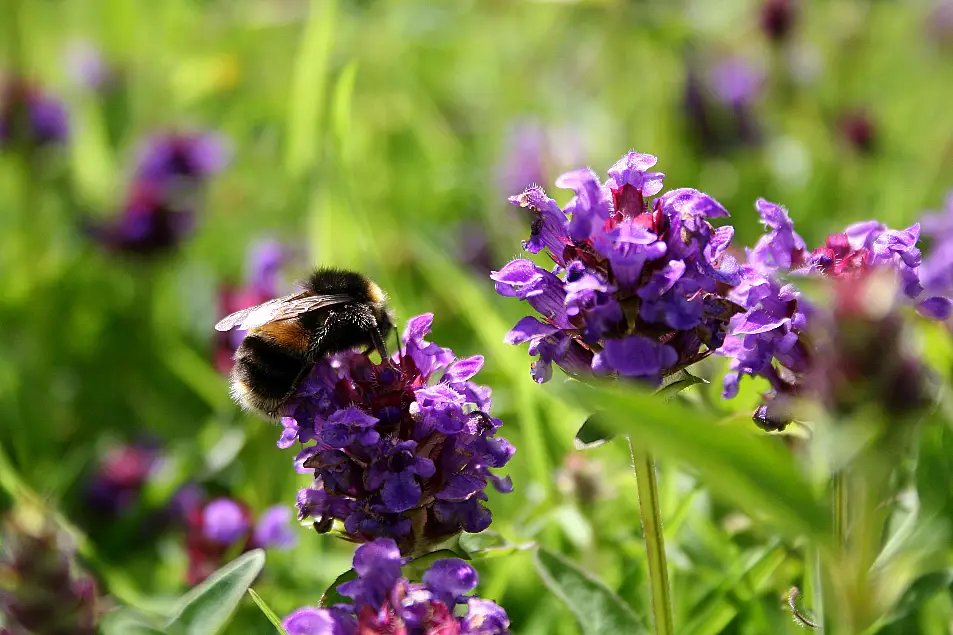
x=840, y=509
x=644, y=466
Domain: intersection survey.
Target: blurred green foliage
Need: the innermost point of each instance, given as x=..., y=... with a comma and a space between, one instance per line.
x=372, y=134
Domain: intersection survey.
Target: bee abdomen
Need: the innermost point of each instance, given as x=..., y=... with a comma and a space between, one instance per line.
x=264, y=372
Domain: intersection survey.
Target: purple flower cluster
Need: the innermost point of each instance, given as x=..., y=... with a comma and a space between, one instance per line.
x=636, y=289
x=30, y=116
x=402, y=451
x=165, y=193
x=384, y=602
x=767, y=339
x=218, y=527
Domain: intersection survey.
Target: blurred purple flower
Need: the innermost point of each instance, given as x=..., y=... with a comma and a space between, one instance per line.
x=120, y=476
x=224, y=521
x=404, y=453
x=735, y=81
x=383, y=601
x=858, y=129
x=165, y=194
x=525, y=148
x=218, y=528
x=274, y=528
x=635, y=287
x=778, y=18
x=86, y=66
x=262, y=283
x=719, y=106
x=175, y=156
x=30, y=116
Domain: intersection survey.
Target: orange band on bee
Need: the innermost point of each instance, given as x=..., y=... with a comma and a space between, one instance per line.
x=286, y=333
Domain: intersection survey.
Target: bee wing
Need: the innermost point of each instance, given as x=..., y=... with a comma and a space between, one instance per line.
x=278, y=309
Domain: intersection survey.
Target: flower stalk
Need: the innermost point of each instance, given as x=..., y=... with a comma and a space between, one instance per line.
x=643, y=464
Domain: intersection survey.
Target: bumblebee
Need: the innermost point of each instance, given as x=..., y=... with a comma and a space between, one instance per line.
x=336, y=311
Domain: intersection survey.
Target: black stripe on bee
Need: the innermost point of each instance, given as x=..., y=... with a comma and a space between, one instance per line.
x=270, y=368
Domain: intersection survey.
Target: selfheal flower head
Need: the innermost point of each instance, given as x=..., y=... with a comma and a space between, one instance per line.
x=383, y=601
x=636, y=287
x=767, y=340
x=42, y=587
x=164, y=196
x=30, y=116
x=403, y=451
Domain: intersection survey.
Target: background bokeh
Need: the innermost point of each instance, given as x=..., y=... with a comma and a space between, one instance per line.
x=385, y=136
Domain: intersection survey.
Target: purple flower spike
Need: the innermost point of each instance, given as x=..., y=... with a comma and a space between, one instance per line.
x=386, y=602
x=30, y=117
x=634, y=276
x=390, y=447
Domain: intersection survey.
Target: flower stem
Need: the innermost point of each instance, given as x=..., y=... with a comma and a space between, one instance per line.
x=840, y=509
x=644, y=466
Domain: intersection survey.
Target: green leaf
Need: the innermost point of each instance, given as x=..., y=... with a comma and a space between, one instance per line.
x=676, y=383
x=272, y=617
x=331, y=595
x=593, y=433
x=596, y=607
x=127, y=621
x=308, y=90
x=206, y=609
x=741, y=464
x=922, y=589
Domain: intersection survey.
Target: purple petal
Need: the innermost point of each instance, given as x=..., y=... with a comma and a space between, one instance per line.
x=449, y=579
x=461, y=487
x=463, y=369
x=516, y=272
x=314, y=621
x=527, y=329
x=937, y=307
x=401, y=492
x=418, y=327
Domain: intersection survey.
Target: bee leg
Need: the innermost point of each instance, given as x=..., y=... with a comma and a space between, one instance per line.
x=291, y=391
x=381, y=347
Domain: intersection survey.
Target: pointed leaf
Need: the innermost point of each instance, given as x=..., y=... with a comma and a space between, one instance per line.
x=593, y=433
x=270, y=614
x=127, y=621
x=597, y=608
x=331, y=596
x=676, y=383
x=206, y=609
